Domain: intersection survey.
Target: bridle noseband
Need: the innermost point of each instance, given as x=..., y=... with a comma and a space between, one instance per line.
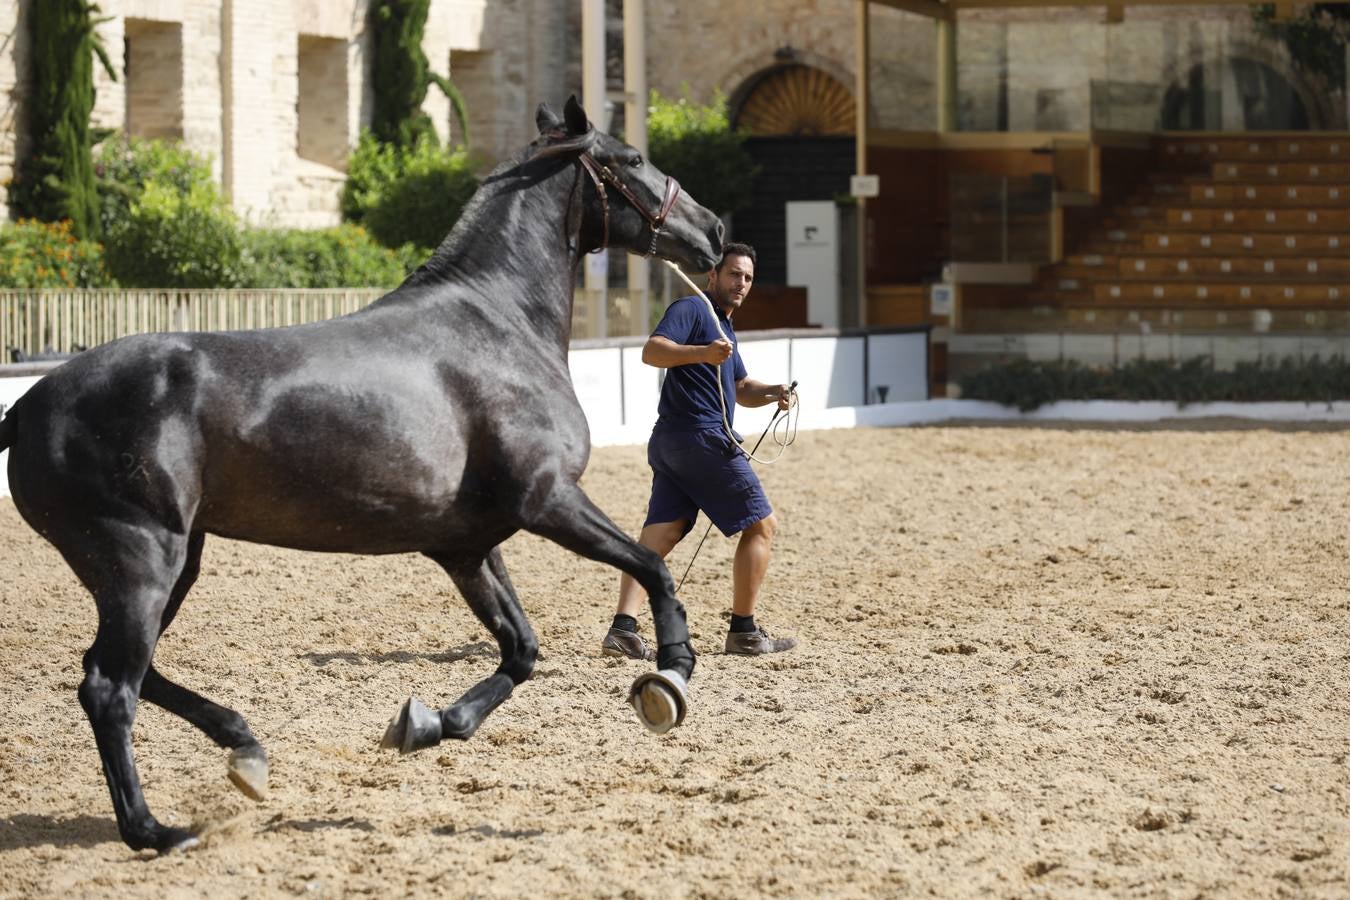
x=602, y=175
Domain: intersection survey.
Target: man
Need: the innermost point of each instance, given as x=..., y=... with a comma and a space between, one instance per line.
x=695, y=465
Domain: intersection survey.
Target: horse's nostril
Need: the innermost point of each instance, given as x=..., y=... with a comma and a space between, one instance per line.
x=721, y=231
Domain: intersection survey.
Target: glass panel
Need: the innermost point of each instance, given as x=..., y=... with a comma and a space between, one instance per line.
x=1000, y=219
x=1198, y=68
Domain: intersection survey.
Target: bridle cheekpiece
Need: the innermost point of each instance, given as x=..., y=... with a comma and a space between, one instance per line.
x=602, y=175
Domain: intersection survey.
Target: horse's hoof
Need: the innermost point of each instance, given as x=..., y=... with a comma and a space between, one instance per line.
x=416, y=727
x=247, y=768
x=660, y=699
x=163, y=840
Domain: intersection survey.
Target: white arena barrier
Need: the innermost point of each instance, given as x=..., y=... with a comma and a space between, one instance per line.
x=839, y=378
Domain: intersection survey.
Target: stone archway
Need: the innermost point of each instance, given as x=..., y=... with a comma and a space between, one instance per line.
x=1235, y=95
x=801, y=121
x=794, y=100
x=1265, y=92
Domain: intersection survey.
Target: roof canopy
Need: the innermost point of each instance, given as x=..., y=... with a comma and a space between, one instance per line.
x=946, y=9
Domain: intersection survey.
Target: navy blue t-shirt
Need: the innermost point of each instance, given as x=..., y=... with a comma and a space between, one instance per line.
x=689, y=398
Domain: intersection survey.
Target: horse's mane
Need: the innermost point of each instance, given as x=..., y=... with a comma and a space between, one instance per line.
x=534, y=163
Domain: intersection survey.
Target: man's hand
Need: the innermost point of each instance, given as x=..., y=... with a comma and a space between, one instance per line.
x=784, y=396
x=718, y=352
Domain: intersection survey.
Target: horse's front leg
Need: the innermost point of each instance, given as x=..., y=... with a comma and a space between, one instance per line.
x=569, y=518
x=487, y=588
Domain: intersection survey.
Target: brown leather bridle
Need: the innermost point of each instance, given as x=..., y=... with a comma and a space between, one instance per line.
x=602, y=175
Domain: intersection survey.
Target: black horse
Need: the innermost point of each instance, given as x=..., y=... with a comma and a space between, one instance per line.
x=441, y=420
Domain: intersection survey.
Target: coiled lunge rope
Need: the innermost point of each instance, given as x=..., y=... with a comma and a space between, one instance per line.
x=788, y=422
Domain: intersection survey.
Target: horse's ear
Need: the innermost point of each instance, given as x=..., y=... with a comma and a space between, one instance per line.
x=546, y=118
x=577, y=123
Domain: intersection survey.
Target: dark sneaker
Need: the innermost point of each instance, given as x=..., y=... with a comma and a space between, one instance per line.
x=626, y=643
x=756, y=643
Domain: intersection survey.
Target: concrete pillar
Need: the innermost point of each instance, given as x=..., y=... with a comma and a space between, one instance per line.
x=946, y=74
x=635, y=132
x=253, y=142
x=593, y=99
x=861, y=102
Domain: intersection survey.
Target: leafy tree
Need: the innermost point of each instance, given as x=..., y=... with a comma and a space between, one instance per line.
x=1315, y=37
x=125, y=166
x=56, y=180
x=172, y=239
x=696, y=144
x=402, y=75
x=407, y=195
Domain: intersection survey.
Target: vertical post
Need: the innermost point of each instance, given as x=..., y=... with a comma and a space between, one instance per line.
x=1003, y=217
x=946, y=74
x=635, y=132
x=593, y=98
x=1346, y=86
x=861, y=103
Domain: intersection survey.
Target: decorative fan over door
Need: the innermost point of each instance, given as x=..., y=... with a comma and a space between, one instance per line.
x=797, y=101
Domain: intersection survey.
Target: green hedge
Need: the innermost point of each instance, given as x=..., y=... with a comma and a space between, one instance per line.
x=695, y=144
x=167, y=225
x=172, y=239
x=412, y=195
x=344, y=256
x=1027, y=385
x=126, y=166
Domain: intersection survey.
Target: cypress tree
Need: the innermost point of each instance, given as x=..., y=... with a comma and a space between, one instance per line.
x=402, y=74
x=56, y=179
x=401, y=70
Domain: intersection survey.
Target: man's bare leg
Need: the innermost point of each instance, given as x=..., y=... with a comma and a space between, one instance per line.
x=752, y=561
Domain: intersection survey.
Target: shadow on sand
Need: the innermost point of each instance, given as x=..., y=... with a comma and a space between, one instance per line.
x=23, y=831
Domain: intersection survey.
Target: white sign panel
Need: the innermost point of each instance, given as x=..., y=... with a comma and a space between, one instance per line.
x=940, y=300
x=813, y=257
x=864, y=185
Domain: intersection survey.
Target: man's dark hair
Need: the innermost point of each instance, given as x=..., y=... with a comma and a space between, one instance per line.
x=735, y=249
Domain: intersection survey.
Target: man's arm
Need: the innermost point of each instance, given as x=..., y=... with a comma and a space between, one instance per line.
x=756, y=393
x=663, y=353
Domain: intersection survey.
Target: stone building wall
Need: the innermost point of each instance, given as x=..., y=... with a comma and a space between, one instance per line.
x=276, y=92
x=1027, y=71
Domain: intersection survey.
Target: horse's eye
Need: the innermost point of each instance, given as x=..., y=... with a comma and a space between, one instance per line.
x=636, y=162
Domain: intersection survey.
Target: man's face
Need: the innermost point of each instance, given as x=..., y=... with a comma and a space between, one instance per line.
x=731, y=283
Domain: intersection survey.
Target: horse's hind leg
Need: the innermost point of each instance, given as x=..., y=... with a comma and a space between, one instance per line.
x=248, y=762
x=487, y=588
x=130, y=569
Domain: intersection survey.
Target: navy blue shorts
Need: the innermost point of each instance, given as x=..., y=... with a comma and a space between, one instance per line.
x=702, y=470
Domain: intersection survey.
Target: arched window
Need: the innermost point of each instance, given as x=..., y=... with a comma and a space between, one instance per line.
x=1235, y=95
x=797, y=101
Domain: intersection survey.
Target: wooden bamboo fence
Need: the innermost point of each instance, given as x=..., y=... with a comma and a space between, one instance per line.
x=35, y=321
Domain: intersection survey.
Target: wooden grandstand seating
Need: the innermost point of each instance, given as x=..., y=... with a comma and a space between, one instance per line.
x=1224, y=224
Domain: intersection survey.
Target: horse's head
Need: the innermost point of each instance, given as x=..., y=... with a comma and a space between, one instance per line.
x=629, y=203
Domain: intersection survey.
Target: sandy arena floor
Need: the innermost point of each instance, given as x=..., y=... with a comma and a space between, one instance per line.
x=1071, y=662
